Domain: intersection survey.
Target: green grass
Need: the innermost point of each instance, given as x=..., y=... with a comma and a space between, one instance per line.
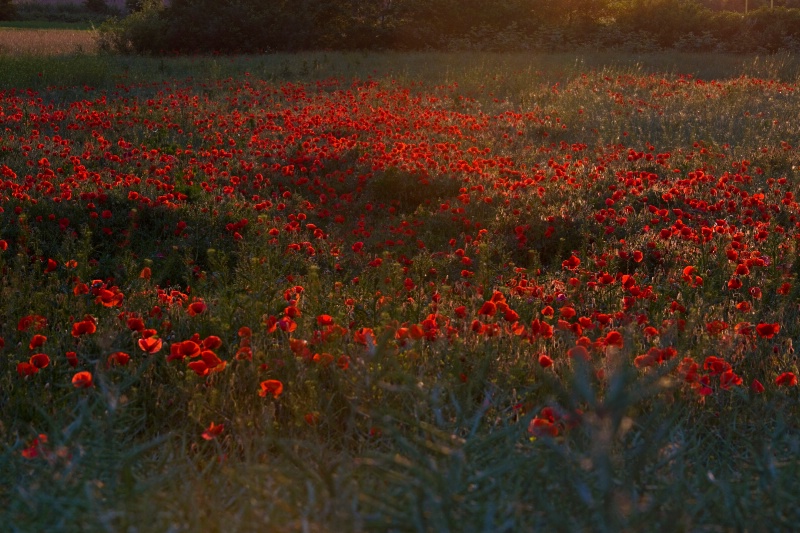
x=424, y=437
x=512, y=75
x=46, y=25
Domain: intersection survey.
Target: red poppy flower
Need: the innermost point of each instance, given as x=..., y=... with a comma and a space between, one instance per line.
x=544, y=424
x=572, y=263
x=287, y=324
x=545, y=360
x=180, y=350
x=37, y=321
x=578, y=351
x=325, y=320
x=212, y=342
x=199, y=367
x=734, y=283
x=196, y=308
x=299, y=347
x=716, y=365
x=82, y=380
x=644, y=360
x=36, y=341
x=768, y=331
x=541, y=329
x=567, y=312
x=244, y=353
x=271, y=386
x=80, y=288
x=110, y=298
x=119, y=358
x=210, y=359
x=757, y=387
x=35, y=447
x=323, y=359
x=363, y=336
x=135, y=324
x=704, y=390
x=417, y=332
x=39, y=360
x=72, y=359
x=728, y=379
x=26, y=369
x=213, y=431
x=787, y=379
x=488, y=309
x=86, y=326
x=151, y=344
x=715, y=327
x=540, y=427
x=614, y=338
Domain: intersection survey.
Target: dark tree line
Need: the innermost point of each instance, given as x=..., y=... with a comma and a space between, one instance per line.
x=7, y=10
x=261, y=25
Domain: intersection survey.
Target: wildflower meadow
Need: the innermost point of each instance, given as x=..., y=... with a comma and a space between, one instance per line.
x=429, y=292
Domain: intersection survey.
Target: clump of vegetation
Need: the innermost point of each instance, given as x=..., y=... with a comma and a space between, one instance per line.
x=7, y=10
x=90, y=11
x=247, y=26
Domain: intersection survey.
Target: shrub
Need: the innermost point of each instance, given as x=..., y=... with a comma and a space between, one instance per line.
x=140, y=32
x=256, y=26
x=773, y=29
x=96, y=6
x=90, y=11
x=7, y=11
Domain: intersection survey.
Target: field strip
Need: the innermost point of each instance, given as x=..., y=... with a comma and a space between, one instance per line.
x=16, y=42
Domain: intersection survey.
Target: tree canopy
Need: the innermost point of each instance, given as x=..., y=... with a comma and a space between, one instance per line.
x=261, y=25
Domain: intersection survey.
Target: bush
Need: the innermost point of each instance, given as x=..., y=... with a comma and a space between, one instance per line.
x=7, y=11
x=96, y=6
x=774, y=29
x=83, y=12
x=141, y=32
x=256, y=26
x=665, y=20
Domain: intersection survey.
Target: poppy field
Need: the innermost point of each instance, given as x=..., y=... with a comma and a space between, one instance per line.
x=317, y=300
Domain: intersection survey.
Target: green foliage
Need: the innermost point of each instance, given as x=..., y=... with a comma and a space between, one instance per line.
x=407, y=191
x=135, y=5
x=257, y=26
x=96, y=6
x=47, y=25
x=774, y=29
x=88, y=11
x=665, y=20
x=7, y=10
x=140, y=32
